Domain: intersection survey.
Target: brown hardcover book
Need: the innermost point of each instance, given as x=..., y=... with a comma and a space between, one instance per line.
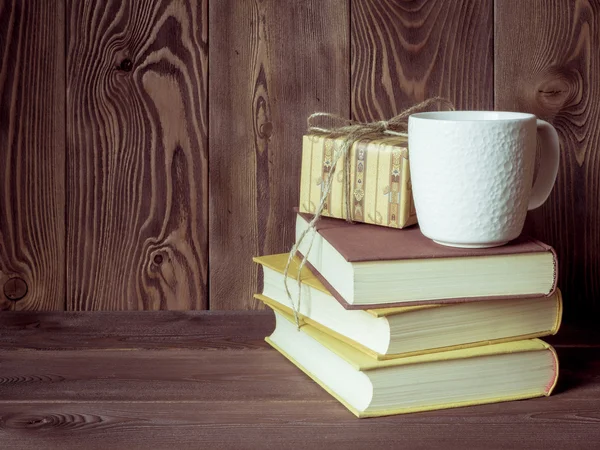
x=366, y=266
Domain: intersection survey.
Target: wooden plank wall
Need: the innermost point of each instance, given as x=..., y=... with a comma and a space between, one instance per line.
x=150, y=148
x=556, y=75
x=404, y=52
x=272, y=64
x=32, y=157
x=137, y=159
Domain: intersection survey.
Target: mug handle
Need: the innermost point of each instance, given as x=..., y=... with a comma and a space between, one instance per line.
x=548, y=166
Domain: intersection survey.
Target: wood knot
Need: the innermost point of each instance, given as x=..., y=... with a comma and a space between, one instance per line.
x=158, y=259
x=265, y=130
x=557, y=89
x=28, y=422
x=15, y=289
x=126, y=65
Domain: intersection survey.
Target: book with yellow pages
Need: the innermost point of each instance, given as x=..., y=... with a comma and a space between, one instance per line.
x=366, y=266
x=402, y=331
x=368, y=387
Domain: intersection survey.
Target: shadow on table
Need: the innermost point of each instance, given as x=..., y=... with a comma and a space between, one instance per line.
x=579, y=368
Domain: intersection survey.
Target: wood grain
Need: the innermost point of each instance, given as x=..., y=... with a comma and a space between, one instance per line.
x=273, y=63
x=219, y=330
x=244, y=397
x=152, y=375
x=137, y=330
x=531, y=424
x=137, y=155
x=547, y=63
x=32, y=156
x=404, y=52
x=207, y=374
x=240, y=394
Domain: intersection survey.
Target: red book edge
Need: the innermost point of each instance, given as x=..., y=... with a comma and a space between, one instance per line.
x=554, y=380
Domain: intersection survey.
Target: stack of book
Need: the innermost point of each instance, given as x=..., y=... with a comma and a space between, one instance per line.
x=392, y=322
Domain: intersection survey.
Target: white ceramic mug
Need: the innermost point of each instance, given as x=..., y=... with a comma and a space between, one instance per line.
x=472, y=174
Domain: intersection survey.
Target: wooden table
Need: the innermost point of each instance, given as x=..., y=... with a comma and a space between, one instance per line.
x=207, y=380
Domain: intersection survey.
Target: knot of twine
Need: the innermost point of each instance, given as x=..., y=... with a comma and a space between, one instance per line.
x=351, y=132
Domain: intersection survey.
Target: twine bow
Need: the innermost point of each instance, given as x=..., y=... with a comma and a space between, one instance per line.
x=351, y=131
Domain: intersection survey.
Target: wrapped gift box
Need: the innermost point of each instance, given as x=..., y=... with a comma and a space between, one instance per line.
x=379, y=177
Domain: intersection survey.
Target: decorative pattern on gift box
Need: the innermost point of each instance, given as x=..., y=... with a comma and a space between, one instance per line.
x=380, y=180
x=327, y=166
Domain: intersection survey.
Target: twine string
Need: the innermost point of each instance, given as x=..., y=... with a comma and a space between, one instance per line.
x=351, y=131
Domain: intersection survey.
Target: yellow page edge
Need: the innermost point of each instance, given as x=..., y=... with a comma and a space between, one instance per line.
x=362, y=361
x=394, y=411
x=383, y=357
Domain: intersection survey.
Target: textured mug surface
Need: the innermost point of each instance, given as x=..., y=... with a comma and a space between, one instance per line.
x=472, y=174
